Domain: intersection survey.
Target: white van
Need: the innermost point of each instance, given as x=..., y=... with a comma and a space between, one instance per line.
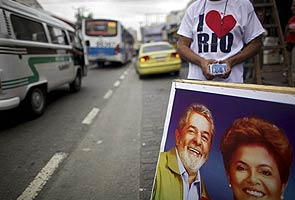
x=36, y=56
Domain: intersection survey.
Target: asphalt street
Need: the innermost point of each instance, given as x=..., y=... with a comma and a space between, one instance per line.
x=117, y=158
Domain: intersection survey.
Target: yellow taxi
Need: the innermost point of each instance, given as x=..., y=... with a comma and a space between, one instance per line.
x=156, y=58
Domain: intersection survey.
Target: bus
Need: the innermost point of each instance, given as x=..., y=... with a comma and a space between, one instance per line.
x=107, y=41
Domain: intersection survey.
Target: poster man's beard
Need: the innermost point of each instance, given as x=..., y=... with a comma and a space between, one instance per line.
x=192, y=162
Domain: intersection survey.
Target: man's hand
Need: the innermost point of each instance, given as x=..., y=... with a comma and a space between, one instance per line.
x=183, y=48
x=228, y=69
x=250, y=50
x=205, y=64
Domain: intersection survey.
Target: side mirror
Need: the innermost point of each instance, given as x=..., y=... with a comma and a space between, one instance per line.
x=87, y=43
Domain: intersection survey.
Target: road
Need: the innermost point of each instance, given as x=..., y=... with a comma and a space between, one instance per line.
x=67, y=154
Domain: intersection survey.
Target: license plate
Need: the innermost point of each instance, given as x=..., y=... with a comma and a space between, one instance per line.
x=160, y=59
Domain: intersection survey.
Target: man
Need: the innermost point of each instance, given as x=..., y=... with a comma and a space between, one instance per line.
x=219, y=31
x=178, y=176
x=290, y=37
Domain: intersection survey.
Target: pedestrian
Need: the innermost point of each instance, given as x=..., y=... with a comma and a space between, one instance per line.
x=257, y=157
x=290, y=37
x=178, y=176
x=219, y=31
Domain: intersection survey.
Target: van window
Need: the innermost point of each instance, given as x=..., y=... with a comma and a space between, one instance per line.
x=25, y=29
x=75, y=40
x=57, y=35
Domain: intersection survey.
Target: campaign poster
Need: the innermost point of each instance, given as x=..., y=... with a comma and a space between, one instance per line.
x=228, y=102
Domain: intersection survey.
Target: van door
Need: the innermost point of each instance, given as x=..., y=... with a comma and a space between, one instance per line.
x=65, y=71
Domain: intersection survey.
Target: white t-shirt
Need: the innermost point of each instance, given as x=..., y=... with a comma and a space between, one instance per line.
x=226, y=27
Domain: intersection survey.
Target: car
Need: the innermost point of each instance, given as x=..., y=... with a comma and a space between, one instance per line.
x=157, y=58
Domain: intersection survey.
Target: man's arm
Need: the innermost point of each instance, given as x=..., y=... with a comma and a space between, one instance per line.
x=183, y=48
x=250, y=50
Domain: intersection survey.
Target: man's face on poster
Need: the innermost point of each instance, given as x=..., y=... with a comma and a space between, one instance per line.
x=193, y=142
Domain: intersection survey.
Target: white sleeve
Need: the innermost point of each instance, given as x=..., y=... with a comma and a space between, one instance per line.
x=186, y=25
x=253, y=27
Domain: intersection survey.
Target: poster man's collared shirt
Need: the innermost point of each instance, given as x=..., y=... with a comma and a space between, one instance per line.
x=168, y=182
x=189, y=193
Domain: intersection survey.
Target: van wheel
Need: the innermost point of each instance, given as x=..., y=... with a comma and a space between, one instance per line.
x=36, y=101
x=75, y=86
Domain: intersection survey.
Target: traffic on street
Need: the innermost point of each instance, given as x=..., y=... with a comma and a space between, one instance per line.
x=87, y=91
x=99, y=143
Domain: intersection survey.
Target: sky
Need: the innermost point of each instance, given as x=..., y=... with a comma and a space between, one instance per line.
x=132, y=13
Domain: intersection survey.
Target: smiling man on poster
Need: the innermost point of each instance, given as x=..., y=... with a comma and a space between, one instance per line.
x=178, y=176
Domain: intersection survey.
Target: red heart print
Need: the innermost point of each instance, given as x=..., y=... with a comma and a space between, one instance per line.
x=220, y=26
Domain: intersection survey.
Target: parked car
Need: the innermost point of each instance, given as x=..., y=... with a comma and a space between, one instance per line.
x=156, y=58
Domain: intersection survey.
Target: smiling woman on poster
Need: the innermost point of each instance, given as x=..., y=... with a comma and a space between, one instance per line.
x=257, y=157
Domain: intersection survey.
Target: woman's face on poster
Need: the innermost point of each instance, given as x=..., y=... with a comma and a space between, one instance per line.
x=253, y=174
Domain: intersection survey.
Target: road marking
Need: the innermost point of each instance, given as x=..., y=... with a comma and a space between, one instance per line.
x=86, y=149
x=117, y=83
x=108, y=94
x=91, y=115
x=99, y=142
x=122, y=77
x=44, y=175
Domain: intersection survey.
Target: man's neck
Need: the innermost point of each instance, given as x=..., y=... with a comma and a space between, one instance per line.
x=191, y=177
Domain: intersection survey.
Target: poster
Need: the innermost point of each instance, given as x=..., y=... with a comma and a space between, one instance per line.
x=228, y=102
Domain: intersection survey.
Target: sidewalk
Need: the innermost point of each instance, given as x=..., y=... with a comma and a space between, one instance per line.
x=155, y=102
x=269, y=78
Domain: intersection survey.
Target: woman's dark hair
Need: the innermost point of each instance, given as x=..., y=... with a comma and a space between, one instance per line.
x=247, y=131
